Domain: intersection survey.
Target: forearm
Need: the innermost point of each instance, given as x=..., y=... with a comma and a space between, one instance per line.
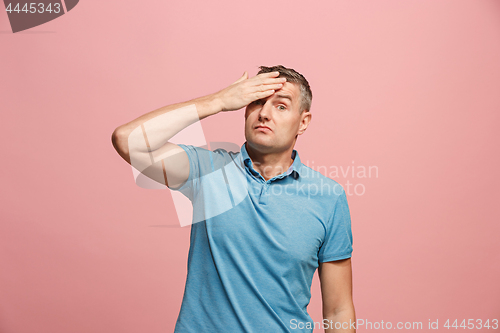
x=159, y=126
x=345, y=320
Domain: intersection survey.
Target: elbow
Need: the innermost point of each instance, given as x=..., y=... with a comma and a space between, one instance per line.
x=330, y=311
x=116, y=140
x=119, y=141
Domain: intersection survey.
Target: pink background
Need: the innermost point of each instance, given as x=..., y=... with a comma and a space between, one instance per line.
x=411, y=87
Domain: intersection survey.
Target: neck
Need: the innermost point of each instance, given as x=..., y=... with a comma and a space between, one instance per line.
x=270, y=164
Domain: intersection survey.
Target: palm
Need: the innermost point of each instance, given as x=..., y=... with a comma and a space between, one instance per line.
x=244, y=91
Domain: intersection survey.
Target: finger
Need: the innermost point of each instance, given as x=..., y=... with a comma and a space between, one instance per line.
x=266, y=84
x=273, y=80
x=243, y=77
x=263, y=94
x=269, y=74
x=266, y=75
x=269, y=79
x=266, y=87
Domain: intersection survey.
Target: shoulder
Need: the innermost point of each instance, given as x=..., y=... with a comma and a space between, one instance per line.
x=215, y=159
x=326, y=186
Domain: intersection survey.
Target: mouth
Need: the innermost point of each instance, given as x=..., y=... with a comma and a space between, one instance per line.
x=262, y=128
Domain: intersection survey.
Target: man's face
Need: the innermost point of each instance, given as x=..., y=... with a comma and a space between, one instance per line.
x=280, y=113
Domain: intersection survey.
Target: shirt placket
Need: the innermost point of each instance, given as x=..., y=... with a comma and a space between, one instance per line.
x=264, y=190
x=264, y=195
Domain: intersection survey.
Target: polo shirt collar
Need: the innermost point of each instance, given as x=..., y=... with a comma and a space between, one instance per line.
x=293, y=170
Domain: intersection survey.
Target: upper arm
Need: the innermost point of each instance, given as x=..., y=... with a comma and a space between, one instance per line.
x=167, y=165
x=336, y=285
x=338, y=241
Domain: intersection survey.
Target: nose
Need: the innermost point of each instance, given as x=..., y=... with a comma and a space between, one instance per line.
x=265, y=111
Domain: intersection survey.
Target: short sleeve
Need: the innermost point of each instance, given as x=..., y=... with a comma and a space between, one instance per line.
x=197, y=160
x=202, y=162
x=337, y=244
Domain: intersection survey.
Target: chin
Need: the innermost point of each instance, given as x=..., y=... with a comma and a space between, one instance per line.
x=261, y=143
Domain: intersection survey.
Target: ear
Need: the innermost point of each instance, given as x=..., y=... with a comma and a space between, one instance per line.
x=305, y=119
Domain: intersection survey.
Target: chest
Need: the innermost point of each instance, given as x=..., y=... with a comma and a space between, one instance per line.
x=289, y=232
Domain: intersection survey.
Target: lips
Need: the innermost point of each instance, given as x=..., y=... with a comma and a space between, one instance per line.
x=262, y=127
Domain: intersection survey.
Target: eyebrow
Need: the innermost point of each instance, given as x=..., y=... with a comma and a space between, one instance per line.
x=285, y=96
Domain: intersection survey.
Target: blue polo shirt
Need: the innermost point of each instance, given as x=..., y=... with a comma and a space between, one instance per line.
x=255, y=244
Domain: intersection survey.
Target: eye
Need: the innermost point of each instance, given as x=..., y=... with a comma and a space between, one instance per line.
x=259, y=102
x=281, y=107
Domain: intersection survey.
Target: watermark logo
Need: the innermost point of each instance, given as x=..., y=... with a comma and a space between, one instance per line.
x=358, y=174
x=24, y=15
x=216, y=179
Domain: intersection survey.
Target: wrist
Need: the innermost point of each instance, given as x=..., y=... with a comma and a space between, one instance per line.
x=208, y=106
x=217, y=105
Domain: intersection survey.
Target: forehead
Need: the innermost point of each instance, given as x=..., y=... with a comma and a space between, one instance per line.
x=289, y=92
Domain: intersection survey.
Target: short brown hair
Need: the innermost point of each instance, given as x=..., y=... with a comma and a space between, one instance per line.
x=293, y=76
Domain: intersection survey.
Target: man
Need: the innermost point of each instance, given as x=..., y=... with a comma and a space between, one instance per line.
x=262, y=221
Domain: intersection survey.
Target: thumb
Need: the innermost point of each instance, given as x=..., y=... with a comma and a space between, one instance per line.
x=243, y=77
